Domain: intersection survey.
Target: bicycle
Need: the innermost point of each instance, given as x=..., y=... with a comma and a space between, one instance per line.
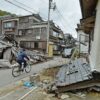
x=17, y=70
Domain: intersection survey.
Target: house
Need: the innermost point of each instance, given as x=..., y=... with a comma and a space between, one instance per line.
x=30, y=32
x=90, y=24
x=9, y=25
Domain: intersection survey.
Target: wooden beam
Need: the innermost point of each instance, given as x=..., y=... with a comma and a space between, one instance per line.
x=88, y=20
x=89, y=25
x=87, y=7
x=80, y=85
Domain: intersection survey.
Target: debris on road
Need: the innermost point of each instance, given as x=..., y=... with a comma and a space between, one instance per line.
x=35, y=78
x=75, y=75
x=28, y=84
x=35, y=56
x=64, y=96
x=45, y=84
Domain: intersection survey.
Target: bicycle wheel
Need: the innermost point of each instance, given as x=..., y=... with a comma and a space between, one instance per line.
x=15, y=71
x=28, y=68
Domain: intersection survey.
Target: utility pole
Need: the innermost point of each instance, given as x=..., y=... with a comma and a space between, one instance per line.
x=48, y=27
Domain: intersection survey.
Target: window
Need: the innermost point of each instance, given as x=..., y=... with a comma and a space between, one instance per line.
x=32, y=44
x=36, y=31
x=55, y=34
x=21, y=32
x=27, y=44
x=29, y=32
x=8, y=25
x=43, y=30
x=36, y=45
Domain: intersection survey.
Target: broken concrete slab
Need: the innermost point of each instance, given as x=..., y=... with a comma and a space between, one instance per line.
x=4, y=63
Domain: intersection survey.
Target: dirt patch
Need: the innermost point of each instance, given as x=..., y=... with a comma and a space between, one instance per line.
x=50, y=72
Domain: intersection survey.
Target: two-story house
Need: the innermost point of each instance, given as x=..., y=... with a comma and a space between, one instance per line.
x=31, y=32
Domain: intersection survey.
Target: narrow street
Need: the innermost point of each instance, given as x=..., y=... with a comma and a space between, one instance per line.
x=61, y=42
x=7, y=78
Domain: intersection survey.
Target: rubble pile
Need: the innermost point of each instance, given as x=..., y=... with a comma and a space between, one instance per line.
x=9, y=50
x=36, y=56
x=8, y=54
x=5, y=54
x=76, y=75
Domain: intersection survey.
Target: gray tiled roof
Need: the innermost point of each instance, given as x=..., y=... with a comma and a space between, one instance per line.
x=76, y=71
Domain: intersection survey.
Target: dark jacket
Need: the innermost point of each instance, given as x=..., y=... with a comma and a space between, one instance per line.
x=21, y=55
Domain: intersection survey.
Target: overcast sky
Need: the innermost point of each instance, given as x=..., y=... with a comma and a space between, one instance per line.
x=67, y=16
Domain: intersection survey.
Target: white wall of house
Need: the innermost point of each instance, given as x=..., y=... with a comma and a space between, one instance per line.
x=95, y=48
x=82, y=36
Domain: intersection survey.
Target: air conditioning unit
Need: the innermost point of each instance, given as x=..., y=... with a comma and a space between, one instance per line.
x=38, y=37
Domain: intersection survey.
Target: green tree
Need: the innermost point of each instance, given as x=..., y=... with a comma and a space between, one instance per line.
x=2, y=13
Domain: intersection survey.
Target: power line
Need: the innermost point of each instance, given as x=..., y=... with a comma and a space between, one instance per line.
x=25, y=5
x=62, y=22
x=22, y=7
x=30, y=8
x=64, y=18
x=18, y=6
